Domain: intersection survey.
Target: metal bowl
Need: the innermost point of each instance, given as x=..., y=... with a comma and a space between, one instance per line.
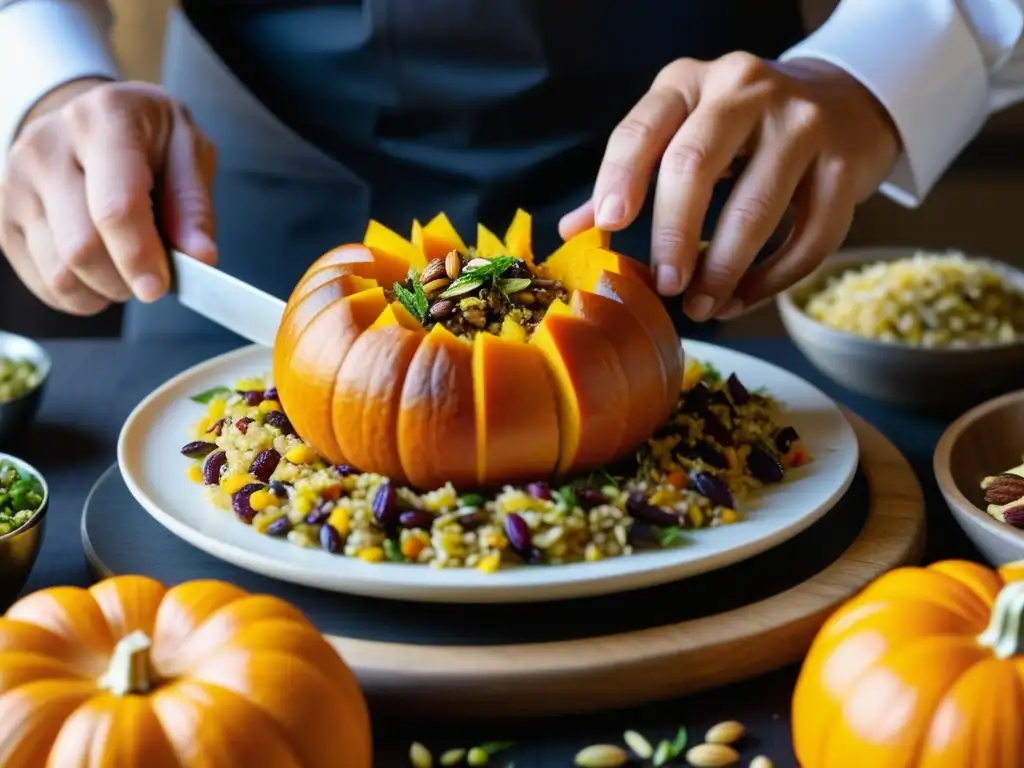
x=17, y=414
x=20, y=548
x=937, y=378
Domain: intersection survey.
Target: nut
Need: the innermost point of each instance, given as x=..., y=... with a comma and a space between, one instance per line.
x=524, y=297
x=453, y=264
x=602, y=756
x=436, y=286
x=1013, y=514
x=454, y=757
x=1004, y=489
x=725, y=732
x=761, y=762
x=641, y=747
x=432, y=271
x=420, y=756
x=442, y=309
x=711, y=756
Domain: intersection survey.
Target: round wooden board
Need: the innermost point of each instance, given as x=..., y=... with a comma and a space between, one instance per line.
x=562, y=676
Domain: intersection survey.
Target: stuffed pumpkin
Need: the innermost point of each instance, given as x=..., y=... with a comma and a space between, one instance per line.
x=128, y=673
x=428, y=361
x=924, y=669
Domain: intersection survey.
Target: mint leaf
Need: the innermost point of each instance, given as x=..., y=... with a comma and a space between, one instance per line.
x=422, y=305
x=566, y=495
x=210, y=394
x=408, y=300
x=669, y=537
x=482, y=273
x=680, y=742
x=711, y=373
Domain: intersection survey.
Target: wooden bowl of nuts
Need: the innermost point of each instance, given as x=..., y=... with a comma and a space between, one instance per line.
x=979, y=466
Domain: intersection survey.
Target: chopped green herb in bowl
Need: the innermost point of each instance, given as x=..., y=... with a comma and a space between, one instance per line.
x=21, y=496
x=17, y=377
x=24, y=499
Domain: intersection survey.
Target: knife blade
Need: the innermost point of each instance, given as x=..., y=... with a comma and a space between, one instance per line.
x=226, y=300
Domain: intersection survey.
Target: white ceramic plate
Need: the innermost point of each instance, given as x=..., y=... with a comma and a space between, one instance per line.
x=150, y=461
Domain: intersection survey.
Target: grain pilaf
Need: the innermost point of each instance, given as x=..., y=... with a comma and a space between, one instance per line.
x=721, y=442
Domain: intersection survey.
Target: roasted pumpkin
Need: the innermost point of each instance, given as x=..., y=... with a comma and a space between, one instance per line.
x=128, y=673
x=430, y=362
x=924, y=669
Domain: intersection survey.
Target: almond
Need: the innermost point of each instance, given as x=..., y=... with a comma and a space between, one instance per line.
x=434, y=270
x=453, y=264
x=1004, y=489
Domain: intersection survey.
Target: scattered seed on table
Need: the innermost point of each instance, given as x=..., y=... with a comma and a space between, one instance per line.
x=641, y=747
x=420, y=756
x=602, y=756
x=711, y=756
x=662, y=754
x=453, y=757
x=477, y=757
x=726, y=732
x=761, y=762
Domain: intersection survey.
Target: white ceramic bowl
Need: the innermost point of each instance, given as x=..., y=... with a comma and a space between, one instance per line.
x=904, y=375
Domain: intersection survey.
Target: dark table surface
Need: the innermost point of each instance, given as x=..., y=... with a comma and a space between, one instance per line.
x=95, y=384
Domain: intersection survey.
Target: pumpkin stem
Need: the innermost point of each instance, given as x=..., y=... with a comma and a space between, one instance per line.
x=129, y=671
x=1005, y=631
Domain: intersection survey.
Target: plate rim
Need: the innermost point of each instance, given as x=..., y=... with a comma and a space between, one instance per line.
x=494, y=590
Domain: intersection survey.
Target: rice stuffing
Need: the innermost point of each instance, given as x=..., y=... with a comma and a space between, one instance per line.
x=721, y=443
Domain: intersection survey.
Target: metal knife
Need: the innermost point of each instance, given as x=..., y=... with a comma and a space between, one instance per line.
x=226, y=300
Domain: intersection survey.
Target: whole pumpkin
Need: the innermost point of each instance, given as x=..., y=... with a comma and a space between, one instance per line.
x=129, y=673
x=924, y=669
x=377, y=382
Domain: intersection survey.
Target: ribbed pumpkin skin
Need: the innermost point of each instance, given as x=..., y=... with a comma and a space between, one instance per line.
x=595, y=380
x=239, y=680
x=906, y=675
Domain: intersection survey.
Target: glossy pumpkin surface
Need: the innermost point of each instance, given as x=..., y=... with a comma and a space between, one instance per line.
x=367, y=384
x=924, y=669
x=128, y=673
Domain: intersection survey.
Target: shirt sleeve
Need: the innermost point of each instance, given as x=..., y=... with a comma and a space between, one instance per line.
x=940, y=68
x=45, y=44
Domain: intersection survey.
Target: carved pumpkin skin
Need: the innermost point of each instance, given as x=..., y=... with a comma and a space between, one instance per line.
x=367, y=386
x=902, y=676
x=225, y=663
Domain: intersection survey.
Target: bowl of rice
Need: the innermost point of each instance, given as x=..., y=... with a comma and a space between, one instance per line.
x=912, y=327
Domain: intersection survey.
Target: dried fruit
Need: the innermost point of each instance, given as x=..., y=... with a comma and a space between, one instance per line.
x=420, y=756
x=713, y=427
x=765, y=466
x=641, y=509
x=271, y=394
x=711, y=756
x=330, y=539
x=518, y=533
x=385, y=505
x=264, y=464
x=539, y=490
x=318, y=515
x=240, y=502
x=601, y=756
x=197, y=449
x=588, y=498
x=453, y=264
x=214, y=466
x=242, y=425
x=785, y=438
x=278, y=420
x=416, y=518
x=252, y=397
x=279, y=527
x=279, y=488
x=641, y=747
x=710, y=455
x=725, y=732
x=713, y=489
x=738, y=392
x=1005, y=488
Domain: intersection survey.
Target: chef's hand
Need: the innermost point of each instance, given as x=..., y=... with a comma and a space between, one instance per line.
x=76, y=213
x=811, y=134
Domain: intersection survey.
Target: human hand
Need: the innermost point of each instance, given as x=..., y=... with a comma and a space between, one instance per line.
x=811, y=135
x=76, y=199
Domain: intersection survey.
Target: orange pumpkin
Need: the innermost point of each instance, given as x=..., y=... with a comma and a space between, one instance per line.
x=369, y=383
x=128, y=673
x=924, y=669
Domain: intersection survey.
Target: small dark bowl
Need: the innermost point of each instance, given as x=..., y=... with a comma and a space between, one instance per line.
x=17, y=414
x=20, y=548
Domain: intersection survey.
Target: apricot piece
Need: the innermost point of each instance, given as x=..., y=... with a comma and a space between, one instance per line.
x=444, y=234
x=307, y=366
x=516, y=412
x=381, y=238
x=368, y=392
x=437, y=423
x=519, y=237
x=649, y=310
x=646, y=372
x=591, y=387
x=488, y=244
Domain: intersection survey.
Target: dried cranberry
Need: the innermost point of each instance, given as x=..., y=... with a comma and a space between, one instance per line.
x=252, y=397
x=588, y=498
x=279, y=527
x=330, y=539
x=764, y=466
x=345, y=470
x=785, y=438
x=278, y=420
x=738, y=392
x=214, y=466
x=416, y=518
x=197, y=449
x=641, y=509
x=518, y=533
x=318, y=515
x=713, y=427
x=710, y=455
x=240, y=502
x=385, y=505
x=242, y=425
x=217, y=428
x=279, y=488
x=539, y=490
x=271, y=394
x=713, y=489
x=264, y=464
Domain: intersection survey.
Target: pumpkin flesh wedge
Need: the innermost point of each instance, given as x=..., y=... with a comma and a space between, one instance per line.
x=306, y=377
x=519, y=237
x=367, y=394
x=593, y=395
x=641, y=361
x=437, y=423
x=380, y=237
x=444, y=236
x=516, y=412
x=488, y=244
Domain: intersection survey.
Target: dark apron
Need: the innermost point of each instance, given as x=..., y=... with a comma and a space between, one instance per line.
x=328, y=113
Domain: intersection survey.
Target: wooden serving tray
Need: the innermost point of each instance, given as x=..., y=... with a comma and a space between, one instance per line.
x=492, y=661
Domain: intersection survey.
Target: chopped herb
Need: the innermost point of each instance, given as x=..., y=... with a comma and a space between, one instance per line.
x=762, y=391
x=471, y=500
x=669, y=537
x=490, y=271
x=711, y=373
x=566, y=495
x=494, y=747
x=662, y=754
x=392, y=551
x=680, y=742
x=415, y=301
x=210, y=394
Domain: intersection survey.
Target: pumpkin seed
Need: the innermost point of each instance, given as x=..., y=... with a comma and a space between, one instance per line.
x=514, y=284
x=663, y=753
x=453, y=757
x=711, y=756
x=474, y=263
x=641, y=747
x=477, y=757
x=725, y=732
x=420, y=756
x=761, y=762
x=602, y=756
x=459, y=290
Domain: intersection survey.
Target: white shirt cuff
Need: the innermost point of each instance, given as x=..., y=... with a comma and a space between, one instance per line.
x=920, y=60
x=45, y=44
